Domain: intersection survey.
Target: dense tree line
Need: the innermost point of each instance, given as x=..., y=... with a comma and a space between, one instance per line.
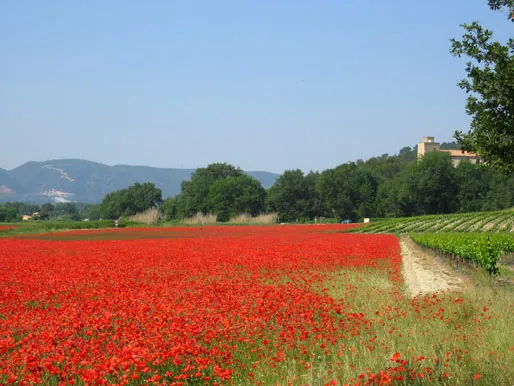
x=13, y=211
x=386, y=186
x=392, y=187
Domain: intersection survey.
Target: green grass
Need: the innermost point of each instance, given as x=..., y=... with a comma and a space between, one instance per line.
x=34, y=227
x=497, y=221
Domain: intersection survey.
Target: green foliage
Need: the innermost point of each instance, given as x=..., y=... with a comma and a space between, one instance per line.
x=449, y=146
x=473, y=184
x=46, y=211
x=231, y=196
x=483, y=249
x=424, y=187
x=489, y=84
x=435, y=188
x=219, y=188
x=388, y=203
x=295, y=196
x=66, y=211
x=91, y=212
x=506, y=5
x=7, y=214
x=390, y=186
x=500, y=194
x=349, y=191
x=22, y=208
x=127, y=202
x=169, y=208
x=193, y=197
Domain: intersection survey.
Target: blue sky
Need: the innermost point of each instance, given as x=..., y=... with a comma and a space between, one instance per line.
x=264, y=85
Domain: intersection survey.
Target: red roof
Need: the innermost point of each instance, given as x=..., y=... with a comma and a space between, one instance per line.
x=460, y=153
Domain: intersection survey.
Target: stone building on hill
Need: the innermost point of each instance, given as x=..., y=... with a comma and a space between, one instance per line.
x=428, y=145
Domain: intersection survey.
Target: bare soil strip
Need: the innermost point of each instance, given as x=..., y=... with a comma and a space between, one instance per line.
x=424, y=273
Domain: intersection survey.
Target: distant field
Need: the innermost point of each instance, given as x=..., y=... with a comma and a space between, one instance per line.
x=31, y=227
x=498, y=221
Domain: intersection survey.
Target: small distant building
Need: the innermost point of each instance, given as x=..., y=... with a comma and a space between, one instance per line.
x=428, y=145
x=366, y=220
x=26, y=217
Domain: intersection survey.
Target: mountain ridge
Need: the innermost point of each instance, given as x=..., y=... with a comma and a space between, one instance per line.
x=78, y=180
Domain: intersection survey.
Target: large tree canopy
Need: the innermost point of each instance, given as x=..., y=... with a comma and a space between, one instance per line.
x=490, y=86
x=136, y=198
x=294, y=196
x=193, y=197
x=218, y=188
x=229, y=197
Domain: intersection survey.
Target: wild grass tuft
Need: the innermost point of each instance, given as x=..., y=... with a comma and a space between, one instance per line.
x=201, y=219
x=149, y=217
x=244, y=218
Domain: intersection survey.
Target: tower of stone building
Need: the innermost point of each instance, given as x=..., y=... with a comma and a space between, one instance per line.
x=427, y=145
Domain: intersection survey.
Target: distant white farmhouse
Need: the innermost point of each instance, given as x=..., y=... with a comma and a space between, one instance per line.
x=428, y=145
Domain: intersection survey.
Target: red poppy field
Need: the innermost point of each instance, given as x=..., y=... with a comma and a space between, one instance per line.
x=235, y=305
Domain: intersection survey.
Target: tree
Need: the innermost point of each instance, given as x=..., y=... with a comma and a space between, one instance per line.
x=490, y=85
x=23, y=208
x=218, y=188
x=66, y=211
x=500, y=194
x=506, y=5
x=436, y=185
x=472, y=184
x=229, y=197
x=7, y=213
x=91, y=212
x=367, y=194
x=388, y=203
x=294, y=196
x=408, y=194
x=142, y=197
x=313, y=206
x=46, y=211
x=427, y=186
x=134, y=199
x=408, y=154
x=340, y=192
x=193, y=195
x=169, y=208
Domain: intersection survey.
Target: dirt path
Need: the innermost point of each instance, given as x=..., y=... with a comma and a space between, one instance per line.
x=425, y=273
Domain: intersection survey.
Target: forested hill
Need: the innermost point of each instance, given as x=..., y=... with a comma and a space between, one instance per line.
x=392, y=186
x=85, y=181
